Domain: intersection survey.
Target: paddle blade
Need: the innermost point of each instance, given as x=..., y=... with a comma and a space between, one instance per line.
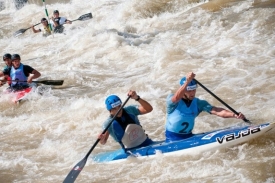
x=85, y=17
x=51, y=82
x=19, y=32
x=75, y=171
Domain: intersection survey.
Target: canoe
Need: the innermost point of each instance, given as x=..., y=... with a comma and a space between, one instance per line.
x=198, y=143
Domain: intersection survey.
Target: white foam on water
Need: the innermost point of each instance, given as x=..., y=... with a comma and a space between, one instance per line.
x=146, y=46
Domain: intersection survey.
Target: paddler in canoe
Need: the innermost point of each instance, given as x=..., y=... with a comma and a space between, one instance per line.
x=21, y=75
x=7, y=60
x=46, y=28
x=183, y=107
x=58, y=22
x=126, y=128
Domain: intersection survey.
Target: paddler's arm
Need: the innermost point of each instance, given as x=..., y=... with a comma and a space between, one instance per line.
x=55, y=24
x=180, y=92
x=218, y=111
x=68, y=21
x=2, y=74
x=3, y=81
x=35, y=31
x=35, y=74
x=103, y=137
x=144, y=107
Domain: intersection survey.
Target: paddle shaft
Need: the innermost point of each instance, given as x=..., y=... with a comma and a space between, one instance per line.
x=46, y=82
x=34, y=25
x=21, y=31
x=74, y=20
x=235, y=112
x=80, y=165
x=92, y=148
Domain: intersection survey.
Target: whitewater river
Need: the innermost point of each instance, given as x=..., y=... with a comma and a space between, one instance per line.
x=147, y=46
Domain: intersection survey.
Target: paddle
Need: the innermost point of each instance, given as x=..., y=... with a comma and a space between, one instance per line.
x=80, y=165
x=45, y=82
x=84, y=17
x=235, y=112
x=21, y=31
x=60, y=28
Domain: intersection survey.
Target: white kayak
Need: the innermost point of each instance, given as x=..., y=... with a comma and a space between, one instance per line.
x=198, y=143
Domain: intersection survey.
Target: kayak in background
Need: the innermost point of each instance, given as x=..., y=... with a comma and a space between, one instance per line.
x=21, y=94
x=18, y=94
x=59, y=29
x=197, y=143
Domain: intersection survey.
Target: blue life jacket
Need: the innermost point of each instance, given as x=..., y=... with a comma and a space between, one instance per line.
x=182, y=119
x=18, y=74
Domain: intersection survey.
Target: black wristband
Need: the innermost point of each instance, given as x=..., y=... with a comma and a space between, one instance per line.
x=138, y=98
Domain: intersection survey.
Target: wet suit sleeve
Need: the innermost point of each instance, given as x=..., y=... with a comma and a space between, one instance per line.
x=132, y=109
x=170, y=106
x=203, y=105
x=6, y=67
x=7, y=71
x=110, y=129
x=27, y=70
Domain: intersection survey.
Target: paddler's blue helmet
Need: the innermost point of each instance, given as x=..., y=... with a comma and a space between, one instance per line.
x=191, y=86
x=112, y=101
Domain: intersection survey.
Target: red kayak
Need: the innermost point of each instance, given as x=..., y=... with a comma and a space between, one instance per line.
x=21, y=94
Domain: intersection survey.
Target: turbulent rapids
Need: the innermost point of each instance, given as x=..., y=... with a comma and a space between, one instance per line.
x=146, y=46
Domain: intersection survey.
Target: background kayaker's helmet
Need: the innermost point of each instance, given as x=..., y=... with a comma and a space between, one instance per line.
x=56, y=11
x=112, y=101
x=191, y=86
x=7, y=55
x=15, y=56
x=43, y=20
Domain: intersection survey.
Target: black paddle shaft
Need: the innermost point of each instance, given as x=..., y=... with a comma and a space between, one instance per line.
x=21, y=31
x=80, y=165
x=45, y=82
x=235, y=112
